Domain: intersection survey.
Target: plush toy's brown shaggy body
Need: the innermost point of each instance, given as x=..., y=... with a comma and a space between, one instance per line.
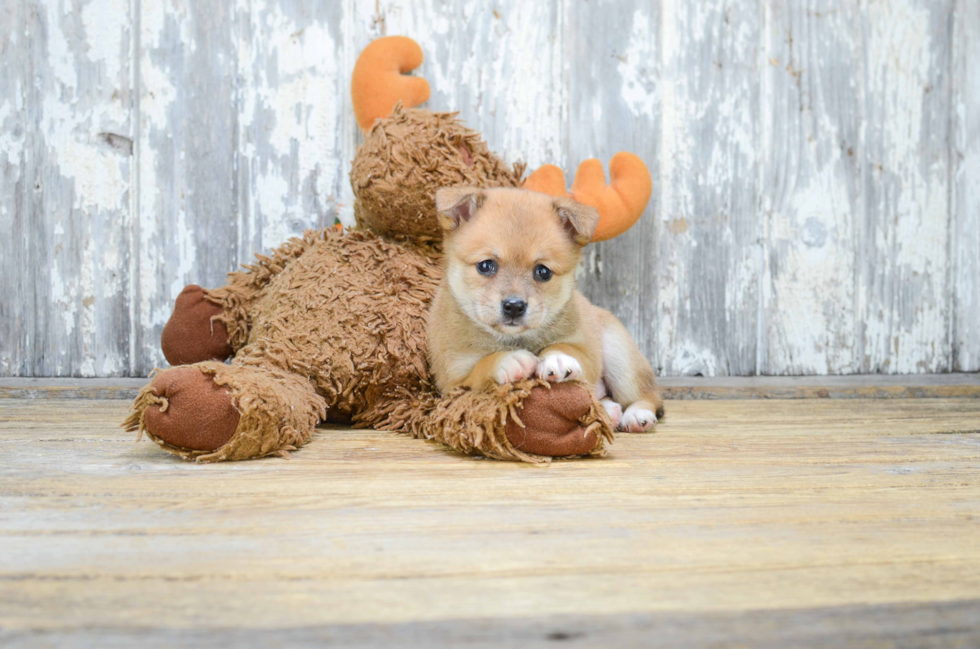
x=332, y=326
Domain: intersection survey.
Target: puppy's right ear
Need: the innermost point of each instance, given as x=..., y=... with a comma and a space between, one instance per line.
x=578, y=219
x=456, y=205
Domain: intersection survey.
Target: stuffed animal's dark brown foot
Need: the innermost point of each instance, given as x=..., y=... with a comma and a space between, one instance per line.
x=191, y=336
x=191, y=411
x=552, y=422
x=210, y=412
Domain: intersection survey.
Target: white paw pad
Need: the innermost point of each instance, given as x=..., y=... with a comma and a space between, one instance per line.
x=558, y=368
x=614, y=410
x=637, y=420
x=515, y=366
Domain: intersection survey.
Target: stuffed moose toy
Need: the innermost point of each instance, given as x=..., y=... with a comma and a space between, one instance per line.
x=331, y=326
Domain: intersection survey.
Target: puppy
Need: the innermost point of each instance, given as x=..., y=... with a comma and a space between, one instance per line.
x=508, y=308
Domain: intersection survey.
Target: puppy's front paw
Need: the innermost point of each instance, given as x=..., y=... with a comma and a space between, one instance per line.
x=558, y=368
x=515, y=366
x=614, y=410
x=637, y=420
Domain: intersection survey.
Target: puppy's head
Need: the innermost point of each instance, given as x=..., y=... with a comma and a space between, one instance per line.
x=511, y=254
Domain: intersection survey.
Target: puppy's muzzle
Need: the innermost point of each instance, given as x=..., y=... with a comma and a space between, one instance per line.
x=513, y=307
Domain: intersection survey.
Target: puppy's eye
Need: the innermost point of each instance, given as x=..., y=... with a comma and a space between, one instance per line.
x=487, y=267
x=542, y=273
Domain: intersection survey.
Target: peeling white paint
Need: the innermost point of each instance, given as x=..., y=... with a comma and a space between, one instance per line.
x=515, y=97
x=809, y=324
x=11, y=145
x=811, y=319
x=638, y=67
x=690, y=359
x=906, y=316
x=965, y=192
x=79, y=192
x=105, y=28
x=60, y=59
x=289, y=125
x=708, y=278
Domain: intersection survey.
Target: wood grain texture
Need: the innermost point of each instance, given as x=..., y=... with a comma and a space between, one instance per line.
x=732, y=508
x=65, y=107
x=291, y=164
x=965, y=187
x=16, y=190
x=882, y=626
x=815, y=196
x=709, y=156
x=903, y=255
x=811, y=187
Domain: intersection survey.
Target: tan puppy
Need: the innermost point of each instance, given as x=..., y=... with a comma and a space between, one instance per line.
x=508, y=308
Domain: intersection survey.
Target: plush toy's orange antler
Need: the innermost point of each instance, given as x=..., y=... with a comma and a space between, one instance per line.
x=620, y=203
x=547, y=179
x=379, y=80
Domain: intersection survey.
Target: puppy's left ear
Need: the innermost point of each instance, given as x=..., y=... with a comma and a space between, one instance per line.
x=456, y=205
x=579, y=220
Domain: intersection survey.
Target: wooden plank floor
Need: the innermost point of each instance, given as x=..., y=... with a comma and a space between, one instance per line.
x=766, y=522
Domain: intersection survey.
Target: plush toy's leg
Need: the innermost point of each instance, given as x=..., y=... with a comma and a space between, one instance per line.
x=193, y=333
x=212, y=412
x=531, y=421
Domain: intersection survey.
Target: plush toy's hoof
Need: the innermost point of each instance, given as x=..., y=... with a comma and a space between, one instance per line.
x=551, y=419
x=196, y=413
x=191, y=336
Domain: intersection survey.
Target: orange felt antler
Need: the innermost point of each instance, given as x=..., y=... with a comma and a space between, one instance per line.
x=379, y=80
x=547, y=179
x=620, y=203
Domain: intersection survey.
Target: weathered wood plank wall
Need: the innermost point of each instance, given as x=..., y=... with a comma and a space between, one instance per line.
x=811, y=202
x=66, y=168
x=816, y=163
x=965, y=188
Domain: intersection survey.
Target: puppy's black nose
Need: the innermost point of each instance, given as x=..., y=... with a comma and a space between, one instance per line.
x=513, y=307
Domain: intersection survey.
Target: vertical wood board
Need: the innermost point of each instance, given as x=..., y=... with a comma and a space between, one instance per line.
x=812, y=200
x=66, y=109
x=903, y=244
x=708, y=194
x=965, y=179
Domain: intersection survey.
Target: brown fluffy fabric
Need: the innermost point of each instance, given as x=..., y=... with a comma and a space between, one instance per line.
x=245, y=287
x=406, y=157
x=481, y=422
x=348, y=314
